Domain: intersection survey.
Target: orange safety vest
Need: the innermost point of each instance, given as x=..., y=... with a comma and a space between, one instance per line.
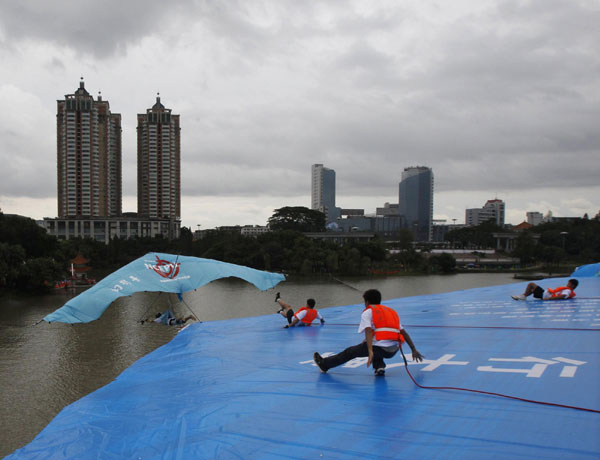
x=386, y=322
x=311, y=314
x=556, y=293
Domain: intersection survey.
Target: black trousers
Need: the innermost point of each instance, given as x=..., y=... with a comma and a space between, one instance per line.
x=360, y=351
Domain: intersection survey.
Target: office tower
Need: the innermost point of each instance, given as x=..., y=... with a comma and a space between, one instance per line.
x=415, y=202
x=88, y=157
x=323, y=191
x=491, y=210
x=159, y=172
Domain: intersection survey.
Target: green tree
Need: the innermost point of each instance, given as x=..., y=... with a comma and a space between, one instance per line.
x=443, y=262
x=39, y=274
x=12, y=258
x=525, y=248
x=298, y=218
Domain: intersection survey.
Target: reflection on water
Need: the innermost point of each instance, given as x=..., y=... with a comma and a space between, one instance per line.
x=45, y=367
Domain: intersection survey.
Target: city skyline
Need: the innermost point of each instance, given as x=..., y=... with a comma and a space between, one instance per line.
x=500, y=100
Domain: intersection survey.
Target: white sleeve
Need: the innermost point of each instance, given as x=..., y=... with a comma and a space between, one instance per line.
x=300, y=315
x=319, y=315
x=366, y=320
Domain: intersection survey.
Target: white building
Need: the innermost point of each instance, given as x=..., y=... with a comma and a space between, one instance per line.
x=535, y=218
x=492, y=210
x=105, y=228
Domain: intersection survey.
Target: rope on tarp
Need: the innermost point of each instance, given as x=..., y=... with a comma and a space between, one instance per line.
x=491, y=393
x=344, y=283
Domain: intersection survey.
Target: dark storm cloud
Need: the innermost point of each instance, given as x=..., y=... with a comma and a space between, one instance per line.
x=98, y=28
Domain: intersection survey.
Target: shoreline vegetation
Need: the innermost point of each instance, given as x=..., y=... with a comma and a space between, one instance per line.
x=32, y=260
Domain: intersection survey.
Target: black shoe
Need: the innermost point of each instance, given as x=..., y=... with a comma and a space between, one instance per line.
x=380, y=372
x=319, y=362
x=277, y=297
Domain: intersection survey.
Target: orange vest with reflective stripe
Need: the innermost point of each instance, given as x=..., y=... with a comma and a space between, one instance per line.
x=311, y=314
x=386, y=322
x=556, y=293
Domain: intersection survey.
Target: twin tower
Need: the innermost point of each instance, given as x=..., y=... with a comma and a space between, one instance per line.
x=89, y=159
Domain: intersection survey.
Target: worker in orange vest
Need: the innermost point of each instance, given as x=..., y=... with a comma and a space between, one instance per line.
x=303, y=317
x=383, y=336
x=559, y=293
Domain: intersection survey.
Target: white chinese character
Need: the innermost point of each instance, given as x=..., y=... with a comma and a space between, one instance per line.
x=432, y=364
x=538, y=368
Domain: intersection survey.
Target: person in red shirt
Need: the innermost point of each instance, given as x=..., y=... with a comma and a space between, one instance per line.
x=303, y=317
x=383, y=336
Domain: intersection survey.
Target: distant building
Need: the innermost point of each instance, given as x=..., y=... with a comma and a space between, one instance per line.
x=415, y=201
x=387, y=210
x=88, y=157
x=535, y=218
x=323, y=192
x=351, y=212
x=254, y=230
x=355, y=223
x=440, y=228
x=159, y=163
x=105, y=228
x=492, y=210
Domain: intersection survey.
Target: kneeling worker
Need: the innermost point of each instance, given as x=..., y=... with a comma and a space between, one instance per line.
x=383, y=335
x=303, y=317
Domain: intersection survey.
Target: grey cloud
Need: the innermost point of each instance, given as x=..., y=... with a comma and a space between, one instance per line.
x=90, y=27
x=499, y=100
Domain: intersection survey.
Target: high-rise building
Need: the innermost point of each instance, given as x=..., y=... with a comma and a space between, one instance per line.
x=159, y=170
x=492, y=210
x=88, y=157
x=415, y=201
x=323, y=191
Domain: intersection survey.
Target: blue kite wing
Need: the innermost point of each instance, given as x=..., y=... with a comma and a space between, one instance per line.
x=156, y=272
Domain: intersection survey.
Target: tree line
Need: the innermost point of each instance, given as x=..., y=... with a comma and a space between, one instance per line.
x=572, y=241
x=31, y=259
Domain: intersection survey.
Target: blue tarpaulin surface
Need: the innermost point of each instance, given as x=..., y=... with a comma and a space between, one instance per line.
x=246, y=388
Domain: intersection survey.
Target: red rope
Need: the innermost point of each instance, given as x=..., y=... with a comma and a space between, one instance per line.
x=484, y=327
x=492, y=393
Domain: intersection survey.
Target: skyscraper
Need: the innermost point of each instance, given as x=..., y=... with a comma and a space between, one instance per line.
x=88, y=156
x=323, y=191
x=159, y=171
x=415, y=201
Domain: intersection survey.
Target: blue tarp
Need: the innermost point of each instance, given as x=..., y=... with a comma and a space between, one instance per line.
x=247, y=388
x=156, y=272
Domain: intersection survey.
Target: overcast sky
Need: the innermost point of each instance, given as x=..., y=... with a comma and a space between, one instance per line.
x=500, y=98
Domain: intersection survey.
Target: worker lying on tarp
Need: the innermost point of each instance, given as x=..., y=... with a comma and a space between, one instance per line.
x=168, y=318
x=383, y=335
x=559, y=293
x=303, y=317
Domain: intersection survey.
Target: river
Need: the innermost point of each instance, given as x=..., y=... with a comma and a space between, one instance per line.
x=45, y=367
